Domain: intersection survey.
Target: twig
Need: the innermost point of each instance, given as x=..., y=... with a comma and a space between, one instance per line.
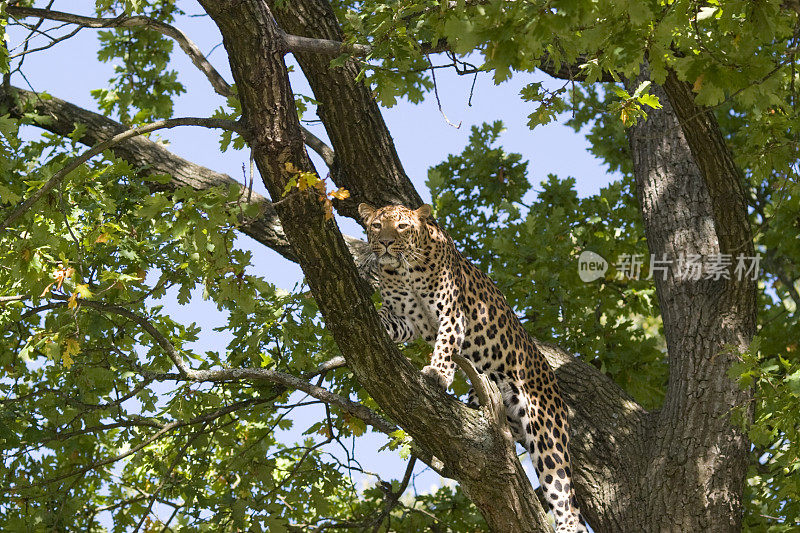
x=183, y=41
x=436, y=93
x=53, y=42
x=392, y=498
x=327, y=366
x=165, y=477
x=478, y=380
x=207, y=417
x=489, y=397
x=15, y=298
x=318, y=145
x=104, y=462
x=296, y=43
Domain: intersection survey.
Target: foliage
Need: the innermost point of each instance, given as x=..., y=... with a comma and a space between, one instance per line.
x=311, y=183
x=142, y=80
x=630, y=107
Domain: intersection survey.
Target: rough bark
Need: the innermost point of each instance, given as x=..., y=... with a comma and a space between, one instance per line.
x=692, y=474
x=366, y=160
x=609, y=435
x=470, y=446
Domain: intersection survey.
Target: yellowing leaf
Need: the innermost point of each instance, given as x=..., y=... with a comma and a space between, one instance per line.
x=83, y=290
x=72, y=303
x=698, y=83
x=356, y=425
x=302, y=184
x=62, y=274
x=71, y=348
x=325, y=431
x=328, y=206
x=624, y=115
x=341, y=193
x=45, y=291
x=306, y=180
x=103, y=237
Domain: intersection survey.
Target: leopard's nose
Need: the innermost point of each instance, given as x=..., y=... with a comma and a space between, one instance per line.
x=386, y=242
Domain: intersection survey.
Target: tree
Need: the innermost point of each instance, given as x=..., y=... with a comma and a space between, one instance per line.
x=683, y=404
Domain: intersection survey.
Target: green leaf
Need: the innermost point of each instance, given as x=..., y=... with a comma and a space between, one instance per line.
x=793, y=382
x=650, y=100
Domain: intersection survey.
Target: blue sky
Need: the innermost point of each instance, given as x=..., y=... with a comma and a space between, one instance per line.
x=422, y=136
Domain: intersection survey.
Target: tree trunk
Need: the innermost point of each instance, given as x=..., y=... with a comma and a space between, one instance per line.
x=366, y=159
x=692, y=474
x=471, y=446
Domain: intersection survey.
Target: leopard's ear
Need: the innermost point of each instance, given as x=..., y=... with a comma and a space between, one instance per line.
x=366, y=211
x=424, y=211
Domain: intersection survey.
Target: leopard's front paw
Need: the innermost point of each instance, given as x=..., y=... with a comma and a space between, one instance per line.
x=440, y=378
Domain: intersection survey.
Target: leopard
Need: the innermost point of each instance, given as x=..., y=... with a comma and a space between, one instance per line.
x=431, y=291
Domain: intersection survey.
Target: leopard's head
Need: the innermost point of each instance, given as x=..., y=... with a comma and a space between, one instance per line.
x=395, y=232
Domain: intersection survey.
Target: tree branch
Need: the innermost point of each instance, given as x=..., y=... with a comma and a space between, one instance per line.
x=773, y=263
x=244, y=374
x=88, y=154
x=297, y=43
x=721, y=176
x=247, y=374
x=392, y=498
x=219, y=84
x=154, y=158
x=186, y=44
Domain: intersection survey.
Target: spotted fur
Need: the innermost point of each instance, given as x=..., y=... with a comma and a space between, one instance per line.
x=431, y=291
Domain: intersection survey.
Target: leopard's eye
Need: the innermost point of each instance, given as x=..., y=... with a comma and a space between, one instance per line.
x=402, y=225
x=376, y=225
